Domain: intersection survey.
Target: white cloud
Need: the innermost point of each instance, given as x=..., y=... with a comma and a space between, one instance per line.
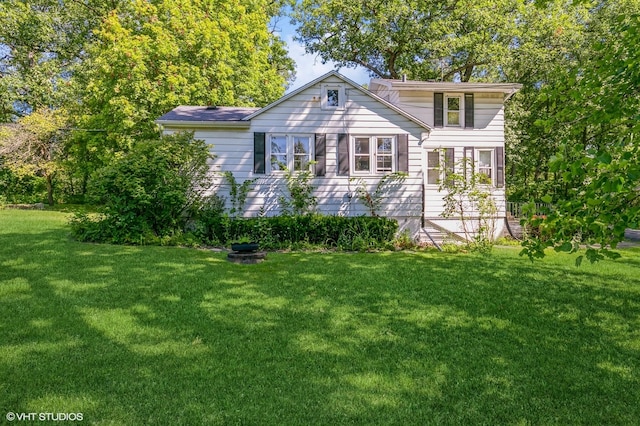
x=310, y=67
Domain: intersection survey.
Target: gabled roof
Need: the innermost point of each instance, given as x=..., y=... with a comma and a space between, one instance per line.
x=222, y=116
x=349, y=82
x=207, y=116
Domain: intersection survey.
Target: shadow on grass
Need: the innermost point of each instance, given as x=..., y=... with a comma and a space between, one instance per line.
x=134, y=335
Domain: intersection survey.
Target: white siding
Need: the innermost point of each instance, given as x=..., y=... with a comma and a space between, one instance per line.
x=362, y=115
x=302, y=114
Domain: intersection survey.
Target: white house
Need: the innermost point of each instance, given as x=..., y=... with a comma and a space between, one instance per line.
x=356, y=136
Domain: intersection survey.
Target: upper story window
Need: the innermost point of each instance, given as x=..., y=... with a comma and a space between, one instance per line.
x=293, y=152
x=453, y=106
x=453, y=110
x=373, y=154
x=333, y=96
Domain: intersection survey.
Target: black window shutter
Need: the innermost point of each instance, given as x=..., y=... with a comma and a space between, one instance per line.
x=321, y=154
x=343, y=154
x=438, y=109
x=403, y=153
x=448, y=160
x=469, y=162
x=468, y=111
x=499, y=167
x=259, y=153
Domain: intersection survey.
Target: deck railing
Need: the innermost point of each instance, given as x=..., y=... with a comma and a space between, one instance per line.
x=515, y=209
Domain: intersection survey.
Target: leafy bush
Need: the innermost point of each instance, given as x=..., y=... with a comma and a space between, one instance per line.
x=26, y=189
x=149, y=194
x=346, y=233
x=300, y=199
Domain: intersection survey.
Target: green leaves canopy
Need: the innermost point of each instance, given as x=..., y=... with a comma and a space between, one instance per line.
x=426, y=39
x=150, y=57
x=598, y=161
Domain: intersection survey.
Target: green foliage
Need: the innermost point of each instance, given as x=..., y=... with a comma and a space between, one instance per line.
x=598, y=158
x=42, y=42
x=34, y=146
x=467, y=197
x=20, y=188
x=118, y=65
x=152, y=56
x=299, y=198
x=471, y=40
x=373, y=200
x=126, y=334
x=151, y=192
x=280, y=232
x=238, y=193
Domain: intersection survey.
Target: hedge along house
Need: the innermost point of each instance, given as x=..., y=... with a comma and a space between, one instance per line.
x=348, y=136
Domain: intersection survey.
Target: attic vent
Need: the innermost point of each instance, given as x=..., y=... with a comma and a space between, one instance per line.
x=212, y=107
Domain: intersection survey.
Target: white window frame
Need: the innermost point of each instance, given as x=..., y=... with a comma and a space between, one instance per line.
x=373, y=155
x=445, y=107
x=492, y=157
x=325, y=96
x=290, y=150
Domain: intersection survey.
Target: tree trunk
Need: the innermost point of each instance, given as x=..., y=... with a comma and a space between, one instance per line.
x=49, y=180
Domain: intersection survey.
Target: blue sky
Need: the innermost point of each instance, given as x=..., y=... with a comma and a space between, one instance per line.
x=309, y=67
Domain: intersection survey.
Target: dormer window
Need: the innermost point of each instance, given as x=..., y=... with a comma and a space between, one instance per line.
x=332, y=96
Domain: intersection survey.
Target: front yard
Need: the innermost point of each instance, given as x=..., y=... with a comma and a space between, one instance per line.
x=155, y=335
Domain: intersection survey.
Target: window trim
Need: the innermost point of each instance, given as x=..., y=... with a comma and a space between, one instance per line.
x=373, y=155
x=325, y=96
x=290, y=150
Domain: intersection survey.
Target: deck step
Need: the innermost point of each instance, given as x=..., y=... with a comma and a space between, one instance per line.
x=432, y=233
x=632, y=234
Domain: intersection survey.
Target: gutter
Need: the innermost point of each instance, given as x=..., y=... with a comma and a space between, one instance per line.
x=512, y=92
x=211, y=124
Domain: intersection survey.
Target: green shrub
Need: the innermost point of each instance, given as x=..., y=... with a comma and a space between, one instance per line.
x=151, y=193
x=16, y=189
x=279, y=232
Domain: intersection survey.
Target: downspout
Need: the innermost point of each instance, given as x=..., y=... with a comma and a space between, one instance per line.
x=424, y=198
x=510, y=94
x=424, y=205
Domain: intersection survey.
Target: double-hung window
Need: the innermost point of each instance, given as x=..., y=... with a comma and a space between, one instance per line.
x=373, y=154
x=485, y=164
x=293, y=152
x=433, y=167
x=453, y=108
x=440, y=163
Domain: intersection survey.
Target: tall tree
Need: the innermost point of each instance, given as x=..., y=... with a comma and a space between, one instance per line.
x=150, y=57
x=552, y=40
x=33, y=146
x=426, y=39
x=598, y=160
x=41, y=42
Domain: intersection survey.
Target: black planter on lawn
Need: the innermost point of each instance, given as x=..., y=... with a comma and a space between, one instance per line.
x=245, y=247
x=246, y=253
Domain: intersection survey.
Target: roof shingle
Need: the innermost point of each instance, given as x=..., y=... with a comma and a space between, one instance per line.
x=204, y=113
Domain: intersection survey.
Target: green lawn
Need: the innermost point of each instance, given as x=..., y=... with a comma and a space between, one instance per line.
x=155, y=335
